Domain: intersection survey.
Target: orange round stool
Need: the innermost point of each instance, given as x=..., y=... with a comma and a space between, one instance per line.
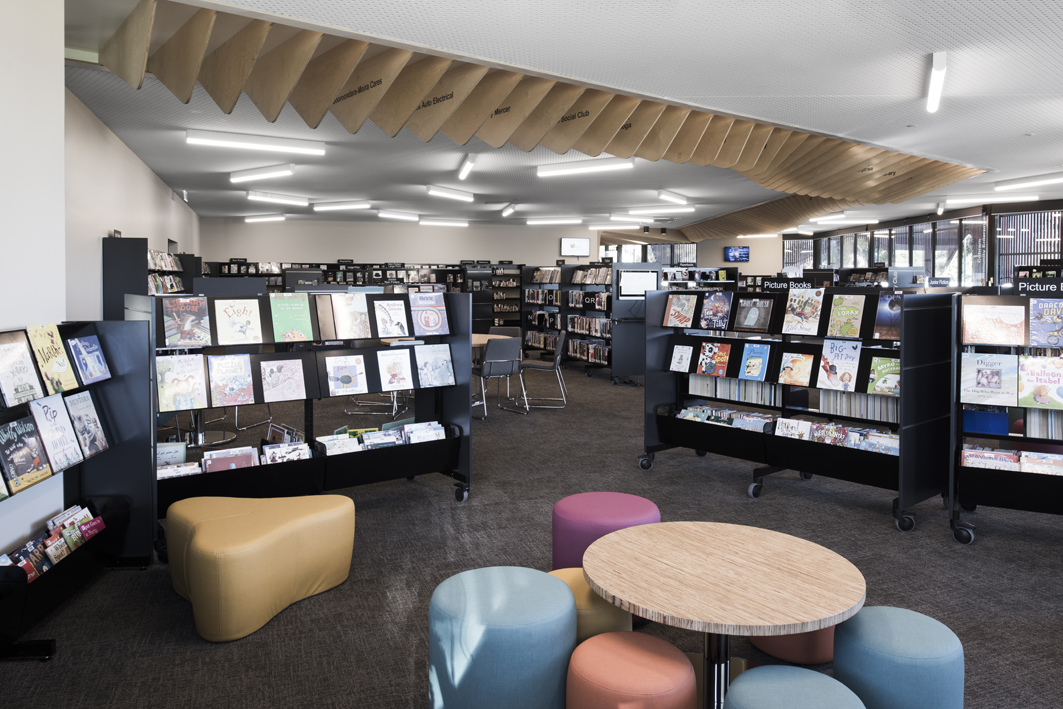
x=630, y=670
x=812, y=648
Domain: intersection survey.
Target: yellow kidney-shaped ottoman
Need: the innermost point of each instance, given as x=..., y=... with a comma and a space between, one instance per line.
x=242, y=561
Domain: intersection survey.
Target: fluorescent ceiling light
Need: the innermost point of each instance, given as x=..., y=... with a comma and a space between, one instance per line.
x=791, y=230
x=466, y=167
x=990, y=199
x=824, y=222
x=278, y=198
x=671, y=197
x=582, y=166
x=508, y=209
x=627, y=218
x=599, y=227
x=758, y=236
x=805, y=233
x=337, y=206
x=443, y=222
x=941, y=208
x=663, y=209
x=1022, y=182
x=261, y=173
x=937, y=82
x=1005, y=236
x=437, y=191
x=265, y=218
x=254, y=142
x=401, y=216
x=555, y=220
x=835, y=215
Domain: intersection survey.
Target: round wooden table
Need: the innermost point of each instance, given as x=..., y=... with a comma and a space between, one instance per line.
x=723, y=580
x=480, y=340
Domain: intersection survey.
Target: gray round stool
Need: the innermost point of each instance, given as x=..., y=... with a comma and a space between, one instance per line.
x=777, y=686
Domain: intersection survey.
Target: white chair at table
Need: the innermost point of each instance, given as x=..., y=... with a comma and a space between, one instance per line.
x=501, y=360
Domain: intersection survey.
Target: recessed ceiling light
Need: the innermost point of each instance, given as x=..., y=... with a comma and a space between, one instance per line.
x=278, y=198
x=466, y=167
x=254, y=142
x=937, y=82
x=508, y=209
x=1022, y=182
x=555, y=220
x=401, y=216
x=337, y=206
x=583, y=166
x=443, y=222
x=663, y=209
x=261, y=173
x=671, y=197
x=758, y=236
x=265, y=218
x=437, y=191
x=991, y=198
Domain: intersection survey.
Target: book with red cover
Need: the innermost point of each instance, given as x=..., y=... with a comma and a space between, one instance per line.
x=91, y=528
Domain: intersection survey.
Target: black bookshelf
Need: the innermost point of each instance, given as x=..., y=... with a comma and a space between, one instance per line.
x=543, y=309
x=585, y=345
x=724, y=278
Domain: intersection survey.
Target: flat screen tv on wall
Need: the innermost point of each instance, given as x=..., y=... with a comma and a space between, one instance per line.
x=735, y=253
x=575, y=247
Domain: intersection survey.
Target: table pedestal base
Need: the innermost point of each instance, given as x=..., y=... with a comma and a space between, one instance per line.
x=697, y=659
x=717, y=669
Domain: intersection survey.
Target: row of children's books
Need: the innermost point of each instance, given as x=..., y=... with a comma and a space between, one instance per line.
x=682, y=274
x=867, y=439
x=540, y=340
x=37, y=362
x=726, y=417
x=1031, y=322
x=593, y=276
x=589, y=351
x=547, y=274
x=162, y=284
x=595, y=327
x=162, y=261
x=539, y=296
x=62, y=534
x=1023, y=461
x=750, y=392
x=857, y=405
x=1031, y=381
x=545, y=318
x=349, y=440
x=1041, y=423
x=588, y=301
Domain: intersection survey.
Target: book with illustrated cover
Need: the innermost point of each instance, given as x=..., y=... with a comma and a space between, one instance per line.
x=829, y=433
x=796, y=369
x=435, y=368
x=994, y=325
x=838, y=365
x=18, y=376
x=89, y=359
x=716, y=310
x=792, y=428
x=752, y=314
x=55, y=547
x=395, y=373
x=351, y=315
x=55, y=368
x=754, y=362
x=326, y=321
x=994, y=460
x=230, y=380
x=681, y=356
x=32, y=553
x=1041, y=382
x=282, y=380
x=22, y=455
x=1046, y=322
x=989, y=379
x=429, y=314
x=346, y=375
x=888, y=317
x=680, y=310
x=803, y=309
x=713, y=359
x=885, y=376
x=845, y=315
x=186, y=322
x=182, y=382
x=56, y=432
x=86, y=422
x=391, y=318
x=291, y=317
x=238, y=321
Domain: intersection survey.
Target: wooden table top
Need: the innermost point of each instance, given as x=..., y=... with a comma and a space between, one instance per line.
x=479, y=340
x=724, y=578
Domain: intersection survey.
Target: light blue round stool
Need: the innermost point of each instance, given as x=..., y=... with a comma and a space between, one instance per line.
x=776, y=686
x=894, y=657
x=500, y=637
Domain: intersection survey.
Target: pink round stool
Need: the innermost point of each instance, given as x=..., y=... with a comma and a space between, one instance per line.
x=580, y=520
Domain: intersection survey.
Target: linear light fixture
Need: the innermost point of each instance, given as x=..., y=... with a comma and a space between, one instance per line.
x=671, y=197
x=835, y=215
x=847, y=221
x=341, y=206
x=278, y=198
x=937, y=82
x=991, y=198
x=442, y=222
x=437, y=191
x=261, y=173
x=466, y=166
x=555, y=220
x=627, y=218
x=508, y=209
x=584, y=166
x=664, y=209
x=941, y=208
x=265, y=218
x=758, y=236
x=400, y=216
x=600, y=227
x=805, y=233
x=254, y=142
x=1020, y=183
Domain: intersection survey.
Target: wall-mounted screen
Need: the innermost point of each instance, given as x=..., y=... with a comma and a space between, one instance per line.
x=575, y=247
x=736, y=253
x=634, y=284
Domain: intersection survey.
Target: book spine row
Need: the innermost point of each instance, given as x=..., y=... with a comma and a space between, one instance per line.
x=542, y=297
x=593, y=276
x=589, y=351
x=750, y=392
x=545, y=318
x=1044, y=423
x=161, y=285
x=595, y=327
x=507, y=308
x=547, y=275
x=540, y=340
x=869, y=406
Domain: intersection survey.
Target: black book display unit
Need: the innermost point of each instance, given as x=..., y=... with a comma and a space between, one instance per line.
x=695, y=278
x=130, y=267
x=589, y=320
x=774, y=355
x=544, y=305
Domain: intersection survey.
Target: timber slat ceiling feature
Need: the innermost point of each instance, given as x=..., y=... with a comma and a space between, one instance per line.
x=767, y=218
x=444, y=98
x=404, y=96
x=577, y=119
x=367, y=84
x=225, y=70
x=325, y=75
x=176, y=63
x=513, y=110
x=545, y=116
x=277, y=72
x=631, y=134
x=126, y=52
x=479, y=106
x=606, y=125
x=656, y=142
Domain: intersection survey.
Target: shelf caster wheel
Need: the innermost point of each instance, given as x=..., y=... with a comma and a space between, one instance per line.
x=701, y=454
x=590, y=373
x=755, y=489
x=963, y=535
x=645, y=462
x=806, y=476
x=461, y=494
x=616, y=381
x=564, y=367
x=411, y=478
x=905, y=523
x=968, y=507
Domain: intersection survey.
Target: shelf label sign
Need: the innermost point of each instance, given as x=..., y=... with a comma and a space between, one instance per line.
x=1039, y=286
x=561, y=262
x=936, y=282
x=784, y=284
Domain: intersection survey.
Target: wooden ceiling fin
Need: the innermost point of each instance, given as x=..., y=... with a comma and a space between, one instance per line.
x=778, y=138
x=545, y=116
x=656, y=142
x=444, y=99
x=709, y=146
x=631, y=134
x=734, y=144
x=404, y=95
x=823, y=169
x=889, y=179
x=605, y=127
x=688, y=137
x=479, y=106
x=176, y=63
x=276, y=73
x=792, y=143
x=225, y=70
x=513, y=109
x=758, y=140
x=859, y=173
x=366, y=85
x=325, y=75
x=827, y=151
x=126, y=52
x=805, y=146
x=850, y=186
x=576, y=121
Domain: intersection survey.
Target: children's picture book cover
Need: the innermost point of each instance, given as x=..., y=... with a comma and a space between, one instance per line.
x=22, y=455
x=52, y=362
x=391, y=319
x=888, y=317
x=346, y=375
x=56, y=432
x=18, y=376
x=994, y=325
x=1041, y=382
x=845, y=315
x=291, y=317
x=754, y=362
x=186, y=322
x=753, y=314
x=792, y=428
x=238, y=321
x=351, y=314
x=829, y=433
x=713, y=359
x=282, y=380
x=326, y=321
x=716, y=310
x=395, y=372
x=838, y=365
x=429, y=314
x=182, y=382
x=681, y=356
x=679, y=311
x=885, y=376
x=230, y=380
x=89, y=359
x=1046, y=322
x=989, y=379
x=86, y=422
x=435, y=367
x=803, y=309
x=796, y=369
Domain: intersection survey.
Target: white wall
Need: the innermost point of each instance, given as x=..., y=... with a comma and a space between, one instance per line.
x=108, y=187
x=765, y=255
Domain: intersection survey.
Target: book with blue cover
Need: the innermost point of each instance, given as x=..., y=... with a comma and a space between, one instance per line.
x=1046, y=322
x=754, y=362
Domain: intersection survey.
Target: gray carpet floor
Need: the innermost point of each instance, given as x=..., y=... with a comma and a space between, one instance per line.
x=128, y=640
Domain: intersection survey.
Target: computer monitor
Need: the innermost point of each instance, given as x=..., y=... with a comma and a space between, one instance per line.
x=633, y=284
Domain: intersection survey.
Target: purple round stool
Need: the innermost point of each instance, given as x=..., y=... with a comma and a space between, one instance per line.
x=581, y=519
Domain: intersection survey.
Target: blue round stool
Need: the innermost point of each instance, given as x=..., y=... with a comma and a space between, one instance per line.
x=500, y=637
x=893, y=657
x=775, y=686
